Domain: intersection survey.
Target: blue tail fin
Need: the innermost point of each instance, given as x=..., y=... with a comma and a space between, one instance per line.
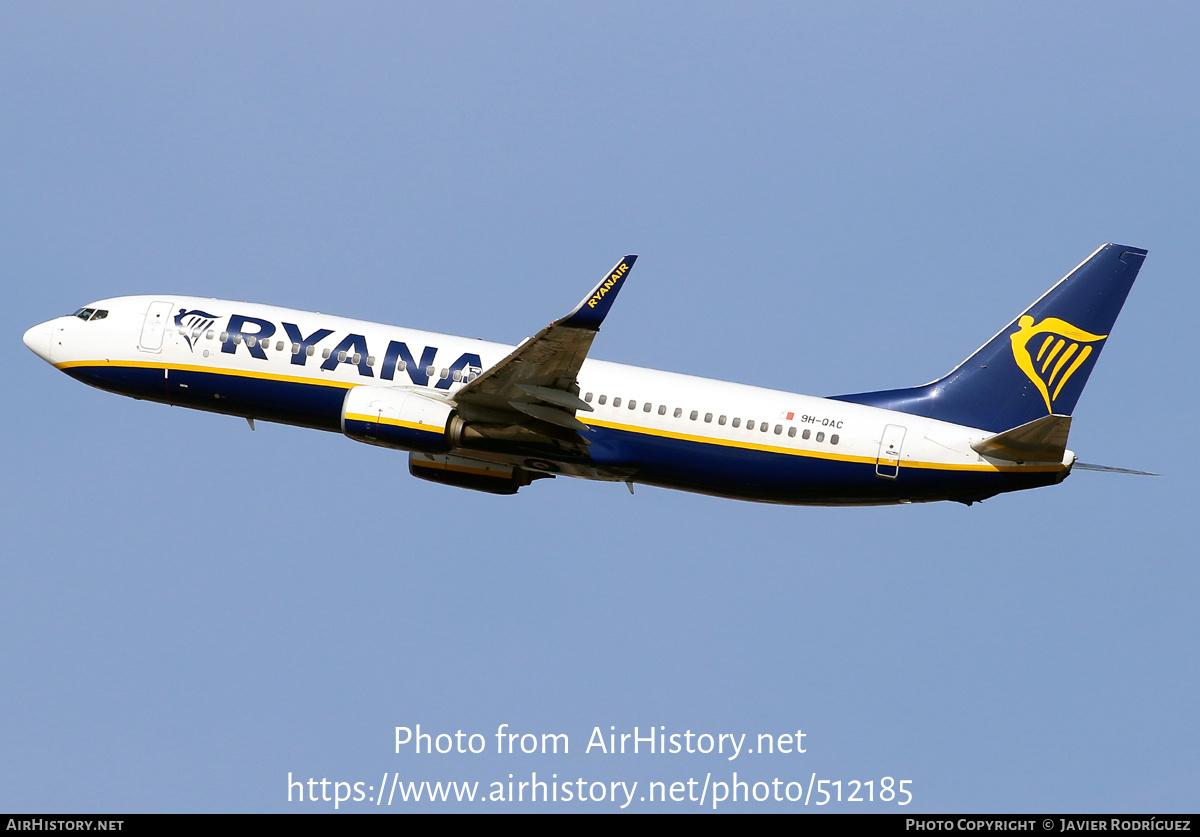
x=1037, y=365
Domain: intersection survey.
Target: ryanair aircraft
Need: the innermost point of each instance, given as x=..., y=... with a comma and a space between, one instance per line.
x=494, y=418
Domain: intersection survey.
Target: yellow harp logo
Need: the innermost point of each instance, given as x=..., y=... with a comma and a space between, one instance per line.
x=1058, y=356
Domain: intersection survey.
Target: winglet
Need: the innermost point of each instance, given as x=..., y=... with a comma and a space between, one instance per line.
x=592, y=310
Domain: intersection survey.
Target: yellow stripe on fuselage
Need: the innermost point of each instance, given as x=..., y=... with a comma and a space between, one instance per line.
x=814, y=454
x=391, y=422
x=628, y=428
x=180, y=367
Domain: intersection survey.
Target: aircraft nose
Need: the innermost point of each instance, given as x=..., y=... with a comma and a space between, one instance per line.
x=38, y=340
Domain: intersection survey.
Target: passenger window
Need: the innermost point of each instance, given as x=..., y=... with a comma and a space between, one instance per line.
x=295, y=348
x=208, y=335
x=632, y=403
x=400, y=365
x=708, y=418
x=647, y=407
x=694, y=414
x=678, y=412
x=737, y=422
x=805, y=434
x=224, y=336
x=792, y=432
x=821, y=437
x=778, y=429
x=279, y=346
x=371, y=362
x=749, y=424
x=357, y=359
x=237, y=339
x=721, y=421
x=457, y=376
x=603, y=398
x=662, y=409
x=588, y=398
x=341, y=357
x=444, y=374
x=764, y=427
x=312, y=350
x=324, y=354
x=833, y=440
x=617, y=401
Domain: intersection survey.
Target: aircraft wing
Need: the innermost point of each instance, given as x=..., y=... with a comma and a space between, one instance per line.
x=536, y=384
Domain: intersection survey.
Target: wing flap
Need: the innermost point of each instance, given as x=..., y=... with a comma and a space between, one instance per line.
x=553, y=415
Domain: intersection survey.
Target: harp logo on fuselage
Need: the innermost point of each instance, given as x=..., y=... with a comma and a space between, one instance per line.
x=192, y=324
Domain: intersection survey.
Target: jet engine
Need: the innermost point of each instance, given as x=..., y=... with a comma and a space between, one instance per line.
x=392, y=417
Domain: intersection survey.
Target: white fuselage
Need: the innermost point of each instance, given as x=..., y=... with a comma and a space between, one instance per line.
x=653, y=427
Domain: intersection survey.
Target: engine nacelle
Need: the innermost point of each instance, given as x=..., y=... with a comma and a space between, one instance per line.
x=476, y=474
x=396, y=418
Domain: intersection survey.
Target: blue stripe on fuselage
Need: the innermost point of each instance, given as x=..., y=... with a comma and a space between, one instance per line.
x=712, y=468
x=702, y=467
x=314, y=405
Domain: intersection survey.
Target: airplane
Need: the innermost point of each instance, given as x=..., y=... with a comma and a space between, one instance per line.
x=494, y=417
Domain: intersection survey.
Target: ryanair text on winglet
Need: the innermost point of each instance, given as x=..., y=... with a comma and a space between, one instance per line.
x=607, y=285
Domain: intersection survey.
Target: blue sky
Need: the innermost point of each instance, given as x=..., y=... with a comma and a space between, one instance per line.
x=824, y=198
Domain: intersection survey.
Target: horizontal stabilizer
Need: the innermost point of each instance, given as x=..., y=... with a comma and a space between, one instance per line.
x=1041, y=440
x=1084, y=466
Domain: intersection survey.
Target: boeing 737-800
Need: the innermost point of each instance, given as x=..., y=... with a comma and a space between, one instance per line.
x=494, y=417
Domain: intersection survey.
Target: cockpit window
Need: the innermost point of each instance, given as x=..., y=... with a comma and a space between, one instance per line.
x=86, y=314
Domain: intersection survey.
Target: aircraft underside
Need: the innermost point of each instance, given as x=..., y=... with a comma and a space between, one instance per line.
x=613, y=454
